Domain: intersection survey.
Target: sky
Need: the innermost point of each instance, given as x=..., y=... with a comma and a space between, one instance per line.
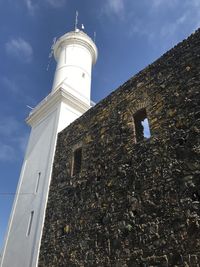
x=130, y=34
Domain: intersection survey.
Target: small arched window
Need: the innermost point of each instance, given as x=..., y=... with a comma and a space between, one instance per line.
x=142, y=129
x=77, y=161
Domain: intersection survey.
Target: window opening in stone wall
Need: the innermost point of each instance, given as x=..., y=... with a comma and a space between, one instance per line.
x=142, y=129
x=38, y=182
x=77, y=161
x=30, y=223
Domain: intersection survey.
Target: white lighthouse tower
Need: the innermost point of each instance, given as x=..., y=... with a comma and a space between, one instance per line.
x=75, y=53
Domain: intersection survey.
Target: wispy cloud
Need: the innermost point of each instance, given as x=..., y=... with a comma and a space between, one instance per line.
x=56, y=3
x=156, y=3
x=114, y=7
x=159, y=3
x=192, y=8
x=166, y=22
x=30, y=6
x=13, y=138
x=22, y=142
x=34, y=5
x=19, y=48
x=10, y=85
x=9, y=126
x=16, y=87
x=7, y=152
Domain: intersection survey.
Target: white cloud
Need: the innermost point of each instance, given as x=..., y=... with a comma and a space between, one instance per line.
x=56, y=3
x=163, y=3
x=193, y=13
x=22, y=142
x=34, y=5
x=194, y=3
x=187, y=22
x=9, y=126
x=13, y=138
x=20, y=49
x=156, y=3
x=114, y=6
x=7, y=153
x=30, y=6
x=10, y=84
x=166, y=22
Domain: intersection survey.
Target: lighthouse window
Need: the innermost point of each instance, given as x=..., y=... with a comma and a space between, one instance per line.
x=83, y=75
x=38, y=181
x=142, y=129
x=30, y=223
x=77, y=161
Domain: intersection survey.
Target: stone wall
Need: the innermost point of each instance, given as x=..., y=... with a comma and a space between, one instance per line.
x=133, y=204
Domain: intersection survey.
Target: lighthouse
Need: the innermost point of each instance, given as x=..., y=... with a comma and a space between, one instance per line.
x=75, y=53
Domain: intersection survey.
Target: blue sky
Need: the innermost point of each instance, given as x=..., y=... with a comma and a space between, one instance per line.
x=130, y=34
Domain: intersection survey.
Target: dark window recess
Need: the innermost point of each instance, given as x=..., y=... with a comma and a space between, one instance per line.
x=38, y=182
x=30, y=223
x=77, y=161
x=142, y=130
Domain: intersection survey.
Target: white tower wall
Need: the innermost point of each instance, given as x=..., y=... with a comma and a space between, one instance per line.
x=53, y=114
x=74, y=59
x=68, y=67
x=19, y=244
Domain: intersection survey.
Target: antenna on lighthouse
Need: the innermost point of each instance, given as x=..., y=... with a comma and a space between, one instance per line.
x=51, y=52
x=95, y=37
x=76, y=20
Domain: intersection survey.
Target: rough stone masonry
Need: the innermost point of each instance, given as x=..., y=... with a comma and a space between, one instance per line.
x=133, y=202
